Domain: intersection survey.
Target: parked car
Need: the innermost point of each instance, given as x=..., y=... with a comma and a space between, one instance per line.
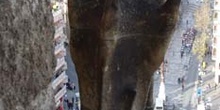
x=208, y=103
x=159, y=104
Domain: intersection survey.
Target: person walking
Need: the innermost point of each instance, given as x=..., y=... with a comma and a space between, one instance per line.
x=182, y=86
x=181, y=54
x=216, y=86
x=183, y=79
x=179, y=81
x=70, y=104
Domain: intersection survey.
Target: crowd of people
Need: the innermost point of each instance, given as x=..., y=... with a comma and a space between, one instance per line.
x=187, y=40
x=69, y=100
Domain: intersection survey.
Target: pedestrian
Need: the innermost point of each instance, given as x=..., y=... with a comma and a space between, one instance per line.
x=77, y=108
x=182, y=86
x=216, y=86
x=209, y=86
x=73, y=100
x=181, y=54
x=178, y=81
x=73, y=86
x=183, y=79
x=70, y=104
x=166, y=62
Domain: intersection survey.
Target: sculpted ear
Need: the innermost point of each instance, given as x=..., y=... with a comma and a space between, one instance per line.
x=168, y=15
x=170, y=6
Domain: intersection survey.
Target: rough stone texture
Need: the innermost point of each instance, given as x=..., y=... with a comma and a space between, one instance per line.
x=26, y=55
x=116, y=46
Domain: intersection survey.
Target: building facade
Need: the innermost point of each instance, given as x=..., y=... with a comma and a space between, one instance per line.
x=216, y=40
x=60, y=78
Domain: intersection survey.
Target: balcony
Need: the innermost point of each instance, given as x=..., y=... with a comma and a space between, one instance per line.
x=58, y=32
x=58, y=103
x=61, y=54
x=61, y=79
x=59, y=48
x=58, y=40
x=60, y=93
x=60, y=23
x=58, y=15
x=61, y=63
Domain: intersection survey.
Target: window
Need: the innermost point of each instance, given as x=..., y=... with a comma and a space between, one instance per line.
x=218, y=78
x=215, y=40
x=218, y=65
x=215, y=28
x=214, y=52
x=216, y=15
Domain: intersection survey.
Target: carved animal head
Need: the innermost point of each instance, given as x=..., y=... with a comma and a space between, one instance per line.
x=116, y=46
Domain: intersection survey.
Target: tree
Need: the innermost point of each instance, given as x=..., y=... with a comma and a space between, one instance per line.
x=202, y=16
x=202, y=22
x=199, y=46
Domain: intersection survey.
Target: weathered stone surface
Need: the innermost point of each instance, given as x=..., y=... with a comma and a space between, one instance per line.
x=26, y=55
x=116, y=46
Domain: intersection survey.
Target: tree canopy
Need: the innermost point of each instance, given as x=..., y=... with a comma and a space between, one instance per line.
x=202, y=16
x=199, y=46
x=202, y=22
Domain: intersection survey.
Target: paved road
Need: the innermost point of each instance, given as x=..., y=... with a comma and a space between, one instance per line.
x=71, y=72
x=189, y=95
x=176, y=65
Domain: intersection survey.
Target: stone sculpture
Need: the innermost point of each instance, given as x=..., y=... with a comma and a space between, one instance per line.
x=116, y=46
